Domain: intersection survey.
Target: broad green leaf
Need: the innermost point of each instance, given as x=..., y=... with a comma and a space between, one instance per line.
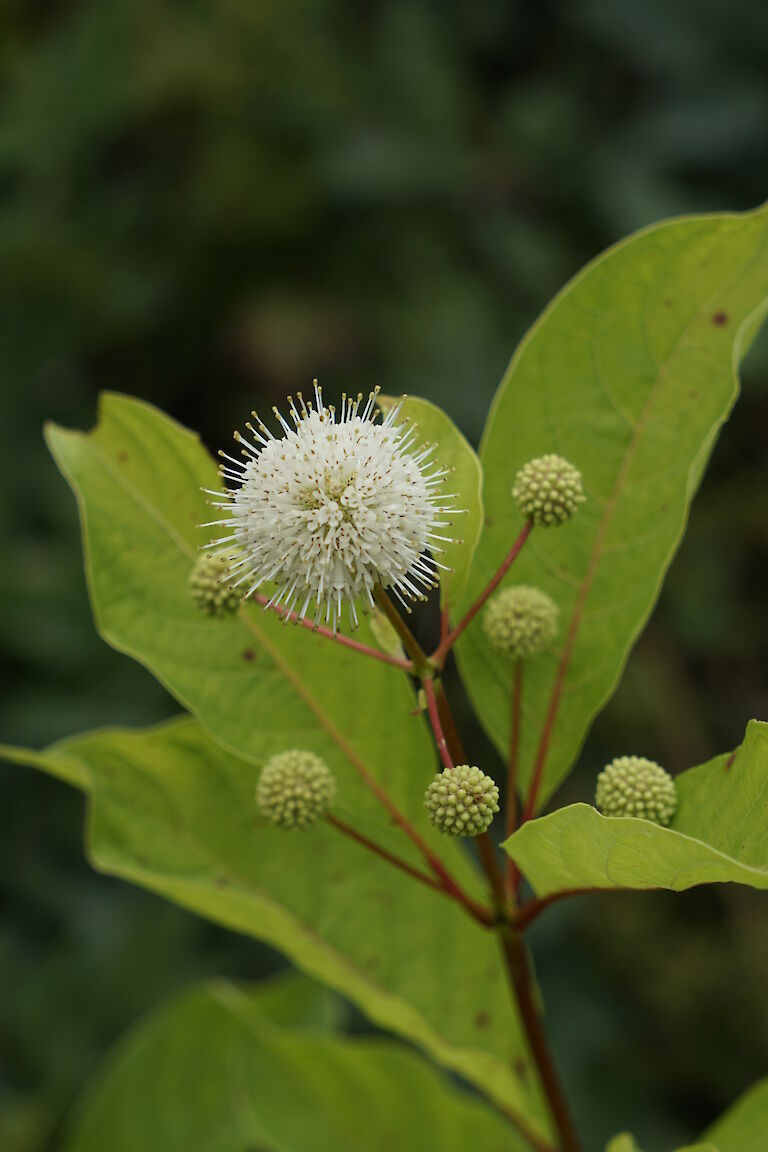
x=292, y=999
x=259, y=687
x=210, y=1073
x=629, y=374
x=744, y=1127
x=454, y=451
x=172, y=811
x=719, y=834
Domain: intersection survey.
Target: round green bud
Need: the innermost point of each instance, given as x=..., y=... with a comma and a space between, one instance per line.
x=211, y=591
x=634, y=786
x=521, y=622
x=462, y=801
x=548, y=490
x=295, y=789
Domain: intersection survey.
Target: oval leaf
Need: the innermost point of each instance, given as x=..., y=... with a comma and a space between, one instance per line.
x=453, y=451
x=719, y=834
x=629, y=374
x=172, y=811
x=210, y=1073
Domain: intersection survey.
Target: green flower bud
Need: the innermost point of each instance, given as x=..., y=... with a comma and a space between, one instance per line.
x=210, y=588
x=548, y=490
x=462, y=801
x=295, y=789
x=521, y=622
x=634, y=786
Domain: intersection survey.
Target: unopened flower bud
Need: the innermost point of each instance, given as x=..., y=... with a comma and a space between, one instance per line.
x=521, y=622
x=295, y=789
x=462, y=801
x=634, y=786
x=210, y=587
x=548, y=490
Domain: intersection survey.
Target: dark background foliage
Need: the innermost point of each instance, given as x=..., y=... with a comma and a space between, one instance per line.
x=208, y=204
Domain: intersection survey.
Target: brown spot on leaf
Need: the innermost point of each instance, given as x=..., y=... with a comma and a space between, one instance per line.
x=122, y=457
x=249, y=655
x=520, y=1070
x=729, y=762
x=482, y=1019
x=720, y=318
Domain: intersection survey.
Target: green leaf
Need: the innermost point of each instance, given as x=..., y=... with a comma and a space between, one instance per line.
x=210, y=1073
x=172, y=811
x=260, y=687
x=744, y=1126
x=719, y=834
x=625, y=1142
x=629, y=374
x=291, y=999
x=454, y=451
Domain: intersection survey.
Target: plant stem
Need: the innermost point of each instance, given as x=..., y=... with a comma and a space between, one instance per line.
x=437, y=727
x=478, y=911
x=384, y=853
x=440, y=653
x=514, y=752
x=519, y=972
x=516, y=960
x=410, y=643
x=483, y=842
x=345, y=641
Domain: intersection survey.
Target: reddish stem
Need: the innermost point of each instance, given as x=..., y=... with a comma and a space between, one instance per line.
x=384, y=853
x=485, y=847
x=440, y=653
x=345, y=641
x=520, y=979
x=437, y=727
x=534, y=907
x=478, y=911
x=512, y=762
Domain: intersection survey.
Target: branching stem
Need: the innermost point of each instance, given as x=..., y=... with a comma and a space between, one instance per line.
x=345, y=641
x=506, y=917
x=446, y=643
x=512, y=762
x=478, y=911
x=437, y=727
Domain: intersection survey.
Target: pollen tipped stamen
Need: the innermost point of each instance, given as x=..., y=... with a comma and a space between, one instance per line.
x=337, y=504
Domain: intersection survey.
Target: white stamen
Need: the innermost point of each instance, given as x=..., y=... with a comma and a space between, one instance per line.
x=336, y=505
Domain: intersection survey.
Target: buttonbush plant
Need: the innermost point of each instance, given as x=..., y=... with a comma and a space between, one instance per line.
x=315, y=793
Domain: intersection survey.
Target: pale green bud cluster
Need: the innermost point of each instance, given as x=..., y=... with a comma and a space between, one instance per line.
x=295, y=789
x=548, y=490
x=462, y=801
x=634, y=786
x=521, y=622
x=211, y=591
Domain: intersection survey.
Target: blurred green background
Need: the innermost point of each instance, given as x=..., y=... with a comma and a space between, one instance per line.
x=208, y=204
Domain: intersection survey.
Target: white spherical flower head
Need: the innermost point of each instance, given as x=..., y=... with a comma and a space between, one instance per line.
x=339, y=503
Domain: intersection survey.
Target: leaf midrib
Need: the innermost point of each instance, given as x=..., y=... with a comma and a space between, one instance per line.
x=610, y=506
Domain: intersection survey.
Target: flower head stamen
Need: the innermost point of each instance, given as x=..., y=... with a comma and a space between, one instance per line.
x=336, y=505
